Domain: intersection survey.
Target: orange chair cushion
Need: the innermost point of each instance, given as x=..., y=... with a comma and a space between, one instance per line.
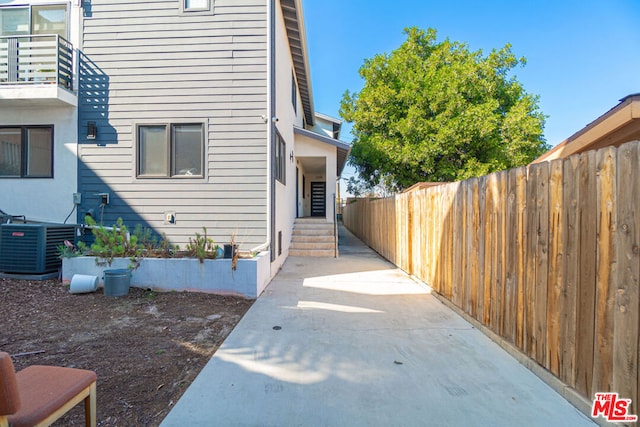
x=45, y=389
x=9, y=397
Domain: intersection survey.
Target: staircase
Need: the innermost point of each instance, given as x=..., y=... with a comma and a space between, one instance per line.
x=313, y=237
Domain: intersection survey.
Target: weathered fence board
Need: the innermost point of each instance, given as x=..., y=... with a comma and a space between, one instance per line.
x=605, y=281
x=569, y=263
x=510, y=264
x=521, y=250
x=554, y=281
x=586, y=288
x=531, y=263
x=542, y=267
x=482, y=203
x=625, y=331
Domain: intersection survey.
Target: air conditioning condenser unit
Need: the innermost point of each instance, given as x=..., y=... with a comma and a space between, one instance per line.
x=32, y=248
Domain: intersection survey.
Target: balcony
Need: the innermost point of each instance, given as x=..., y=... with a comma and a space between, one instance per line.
x=36, y=70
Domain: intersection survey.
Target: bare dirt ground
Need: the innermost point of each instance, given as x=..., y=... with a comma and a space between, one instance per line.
x=146, y=347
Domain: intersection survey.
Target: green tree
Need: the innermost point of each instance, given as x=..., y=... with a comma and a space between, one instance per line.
x=434, y=111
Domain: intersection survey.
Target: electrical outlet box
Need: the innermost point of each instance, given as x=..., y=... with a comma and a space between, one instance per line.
x=170, y=217
x=104, y=198
x=77, y=198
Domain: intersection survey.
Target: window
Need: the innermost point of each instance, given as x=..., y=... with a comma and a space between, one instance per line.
x=26, y=152
x=196, y=4
x=49, y=20
x=294, y=93
x=281, y=154
x=44, y=19
x=170, y=150
x=197, y=7
x=14, y=21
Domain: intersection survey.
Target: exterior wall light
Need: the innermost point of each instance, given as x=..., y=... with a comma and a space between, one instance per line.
x=92, y=130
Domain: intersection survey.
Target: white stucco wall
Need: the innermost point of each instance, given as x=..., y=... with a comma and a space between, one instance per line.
x=285, y=195
x=44, y=199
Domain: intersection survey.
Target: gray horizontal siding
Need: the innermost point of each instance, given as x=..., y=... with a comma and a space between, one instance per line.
x=143, y=62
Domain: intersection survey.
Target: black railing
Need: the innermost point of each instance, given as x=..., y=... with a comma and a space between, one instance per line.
x=335, y=226
x=36, y=59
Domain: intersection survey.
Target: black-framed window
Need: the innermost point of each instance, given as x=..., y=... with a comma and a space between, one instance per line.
x=170, y=150
x=294, y=93
x=26, y=152
x=281, y=155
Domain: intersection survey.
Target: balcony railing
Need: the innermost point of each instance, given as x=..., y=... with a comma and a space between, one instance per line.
x=36, y=59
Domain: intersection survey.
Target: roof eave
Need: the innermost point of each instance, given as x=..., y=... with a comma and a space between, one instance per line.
x=625, y=112
x=294, y=23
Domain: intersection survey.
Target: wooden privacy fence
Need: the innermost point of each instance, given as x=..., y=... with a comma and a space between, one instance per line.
x=547, y=257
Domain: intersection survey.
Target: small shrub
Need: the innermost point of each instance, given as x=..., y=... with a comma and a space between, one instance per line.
x=201, y=247
x=68, y=250
x=153, y=247
x=115, y=242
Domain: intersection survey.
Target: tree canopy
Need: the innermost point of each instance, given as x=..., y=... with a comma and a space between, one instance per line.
x=436, y=111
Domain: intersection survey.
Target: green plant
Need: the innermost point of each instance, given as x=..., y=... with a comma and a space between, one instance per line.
x=68, y=250
x=164, y=248
x=152, y=247
x=116, y=241
x=201, y=246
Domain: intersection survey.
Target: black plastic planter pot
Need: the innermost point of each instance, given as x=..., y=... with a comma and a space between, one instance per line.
x=230, y=250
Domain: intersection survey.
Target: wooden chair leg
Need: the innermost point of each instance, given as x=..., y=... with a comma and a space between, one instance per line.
x=90, y=407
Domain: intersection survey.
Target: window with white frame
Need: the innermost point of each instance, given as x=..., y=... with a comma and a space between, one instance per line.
x=196, y=6
x=26, y=152
x=170, y=150
x=281, y=154
x=36, y=19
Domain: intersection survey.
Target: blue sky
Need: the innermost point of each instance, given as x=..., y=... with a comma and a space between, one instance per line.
x=582, y=56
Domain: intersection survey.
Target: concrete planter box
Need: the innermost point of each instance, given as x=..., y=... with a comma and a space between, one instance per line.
x=183, y=274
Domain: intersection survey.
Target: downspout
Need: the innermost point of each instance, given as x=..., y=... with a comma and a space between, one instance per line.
x=271, y=93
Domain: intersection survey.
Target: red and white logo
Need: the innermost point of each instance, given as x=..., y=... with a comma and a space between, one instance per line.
x=612, y=408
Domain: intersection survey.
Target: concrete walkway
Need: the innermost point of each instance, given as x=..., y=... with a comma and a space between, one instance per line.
x=354, y=341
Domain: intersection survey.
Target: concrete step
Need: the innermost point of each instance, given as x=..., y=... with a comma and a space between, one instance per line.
x=313, y=232
x=312, y=226
x=312, y=238
x=312, y=252
x=319, y=220
x=312, y=245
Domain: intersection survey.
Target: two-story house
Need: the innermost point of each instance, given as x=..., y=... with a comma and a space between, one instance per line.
x=190, y=114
